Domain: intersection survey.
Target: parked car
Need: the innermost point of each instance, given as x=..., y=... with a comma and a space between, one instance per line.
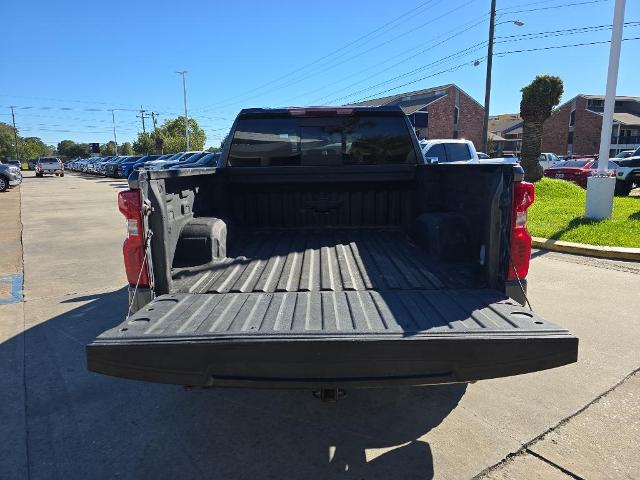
x=126, y=167
x=625, y=154
x=628, y=173
x=483, y=156
x=178, y=157
x=32, y=163
x=548, y=160
x=349, y=264
x=49, y=166
x=449, y=150
x=208, y=160
x=578, y=171
x=190, y=159
x=10, y=176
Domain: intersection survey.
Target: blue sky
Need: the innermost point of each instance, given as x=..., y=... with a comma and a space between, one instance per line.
x=67, y=63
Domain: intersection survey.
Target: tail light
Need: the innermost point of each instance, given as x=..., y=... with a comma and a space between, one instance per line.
x=523, y=197
x=130, y=205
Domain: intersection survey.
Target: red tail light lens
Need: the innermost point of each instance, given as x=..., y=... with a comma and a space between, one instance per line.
x=130, y=205
x=523, y=198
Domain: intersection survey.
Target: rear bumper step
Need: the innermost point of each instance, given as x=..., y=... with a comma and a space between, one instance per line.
x=349, y=362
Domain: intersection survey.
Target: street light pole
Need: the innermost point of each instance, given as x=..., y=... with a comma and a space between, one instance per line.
x=115, y=140
x=487, y=87
x=184, y=93
x=601, y=188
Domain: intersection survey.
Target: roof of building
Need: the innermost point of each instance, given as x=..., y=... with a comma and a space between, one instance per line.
x=504, y=123
x=400, y=97
x=619, y=98
x=409, y=101
x=496, y=138
x=624, y=118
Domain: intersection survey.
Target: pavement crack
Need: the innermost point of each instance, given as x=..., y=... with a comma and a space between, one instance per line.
x=554, y=465
x=24, y=346
x=526, y=446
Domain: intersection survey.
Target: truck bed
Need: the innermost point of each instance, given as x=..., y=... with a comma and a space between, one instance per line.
x=324, y=310
x=314, y=261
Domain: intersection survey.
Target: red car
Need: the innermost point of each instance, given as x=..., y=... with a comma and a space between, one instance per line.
x=577, y=171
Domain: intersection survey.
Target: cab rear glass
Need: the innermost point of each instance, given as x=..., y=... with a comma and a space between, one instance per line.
x=290, y=141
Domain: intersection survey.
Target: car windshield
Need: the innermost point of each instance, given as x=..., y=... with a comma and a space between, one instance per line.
x=355, y=140
x=574, y=164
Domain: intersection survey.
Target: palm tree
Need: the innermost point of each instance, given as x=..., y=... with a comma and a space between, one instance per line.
x=538, y=100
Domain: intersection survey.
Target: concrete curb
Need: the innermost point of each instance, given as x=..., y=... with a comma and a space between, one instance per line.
x=613, y=253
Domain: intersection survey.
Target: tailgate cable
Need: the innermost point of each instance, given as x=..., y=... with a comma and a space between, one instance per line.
x=147, y=242
x=520, y=284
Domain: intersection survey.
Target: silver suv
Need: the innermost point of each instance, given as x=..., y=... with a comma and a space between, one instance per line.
x=10, y=175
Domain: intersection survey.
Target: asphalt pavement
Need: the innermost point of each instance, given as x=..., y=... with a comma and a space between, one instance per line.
x=57, y=420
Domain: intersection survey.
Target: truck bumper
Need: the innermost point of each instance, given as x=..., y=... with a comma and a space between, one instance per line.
x=513, y=290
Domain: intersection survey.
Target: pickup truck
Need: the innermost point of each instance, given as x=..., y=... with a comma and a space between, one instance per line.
x=50, y=166
x=627, y=173
x=447, y=150
x=323, y=253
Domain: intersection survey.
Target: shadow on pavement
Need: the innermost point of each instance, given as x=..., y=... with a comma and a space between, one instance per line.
x=85, y=425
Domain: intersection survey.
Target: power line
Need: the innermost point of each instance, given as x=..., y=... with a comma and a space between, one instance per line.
x=331, y=66
x=464, y=30
x=553, y=47
x=553, y=7
x=413, y=10
x=447, y=59
x=499, y=54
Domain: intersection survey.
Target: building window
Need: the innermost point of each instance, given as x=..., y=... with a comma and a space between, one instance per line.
x=570, y=138
x=572, y=118
x=594, y=104
x=456, y=115
x=421, y=120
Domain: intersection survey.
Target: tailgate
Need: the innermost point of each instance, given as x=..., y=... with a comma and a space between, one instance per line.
x=331, y=339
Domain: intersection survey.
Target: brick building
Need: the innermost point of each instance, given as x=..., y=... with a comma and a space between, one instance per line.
x=440, y=112
x=574, y=127
x=505, y=132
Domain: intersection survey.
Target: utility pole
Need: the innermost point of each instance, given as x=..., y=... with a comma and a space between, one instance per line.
x=154, y=118
x=487, y=88
x=143, y=115
x=15, y=132
x=115, y=139
x=600, y=187
x=184, y=93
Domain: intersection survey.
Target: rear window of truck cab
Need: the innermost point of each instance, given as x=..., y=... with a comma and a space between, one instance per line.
x=353, y=140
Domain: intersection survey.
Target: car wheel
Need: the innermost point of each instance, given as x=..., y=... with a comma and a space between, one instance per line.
x=4, y=184
x=62, y=174
x=622, y=188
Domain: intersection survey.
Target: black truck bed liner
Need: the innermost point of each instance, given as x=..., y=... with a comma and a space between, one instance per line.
x=339, y=260
x=327, y=339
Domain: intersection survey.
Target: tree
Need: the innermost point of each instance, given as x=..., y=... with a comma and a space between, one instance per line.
x=108, y=149
x=144, y=144
x=213, y=149
x=34, y=147
x=172, y=131
x=126, y=149
x=7, y=142
x=64, y=146
x=538, y=100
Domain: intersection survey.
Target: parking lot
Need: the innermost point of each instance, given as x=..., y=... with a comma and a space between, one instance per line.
x=579, y=421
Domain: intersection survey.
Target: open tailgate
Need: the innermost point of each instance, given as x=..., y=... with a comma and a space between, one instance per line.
x=331, y=339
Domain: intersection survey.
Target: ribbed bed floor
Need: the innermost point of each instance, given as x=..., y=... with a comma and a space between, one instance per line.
x=321, y=261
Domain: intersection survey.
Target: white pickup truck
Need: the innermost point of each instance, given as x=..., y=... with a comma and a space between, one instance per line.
x=49, y=165
x=456, y=151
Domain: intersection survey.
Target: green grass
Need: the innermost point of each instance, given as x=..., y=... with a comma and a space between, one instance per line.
x=558, y=213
